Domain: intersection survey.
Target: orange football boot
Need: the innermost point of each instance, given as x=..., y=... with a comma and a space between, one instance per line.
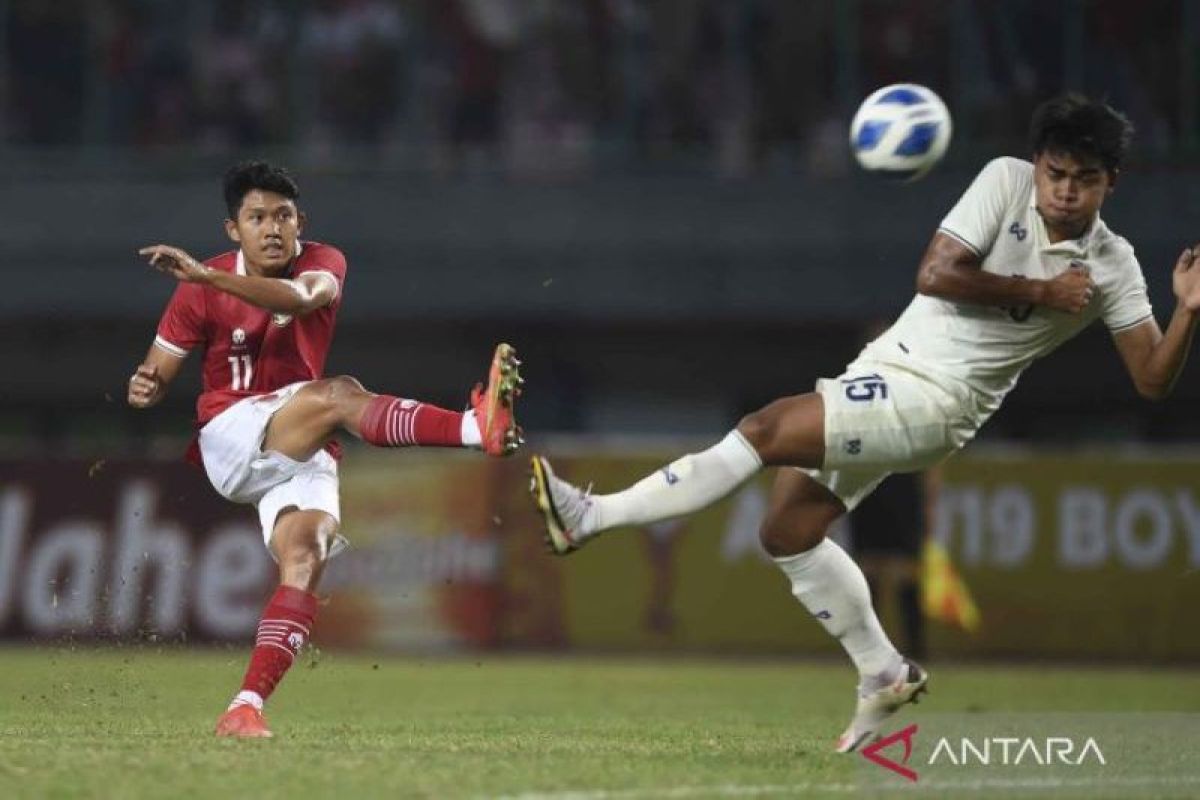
x=243, y=721
x=494, y=405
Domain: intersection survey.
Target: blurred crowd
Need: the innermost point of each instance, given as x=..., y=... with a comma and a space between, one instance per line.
x=561, y=83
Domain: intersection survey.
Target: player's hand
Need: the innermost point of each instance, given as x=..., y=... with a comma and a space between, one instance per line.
x=1070, y=291
x=1186, y=278
x=176, y=263
x=145, y=387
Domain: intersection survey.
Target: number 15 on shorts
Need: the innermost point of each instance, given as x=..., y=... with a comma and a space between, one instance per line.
x=865, y=388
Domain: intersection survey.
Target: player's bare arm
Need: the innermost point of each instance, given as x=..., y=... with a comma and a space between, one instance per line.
x=1154, y=358
x=295, y=296
x=149, y=382
x=952, y=271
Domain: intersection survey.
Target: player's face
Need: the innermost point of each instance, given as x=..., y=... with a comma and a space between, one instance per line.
x=267, y=227
x=1069, y=192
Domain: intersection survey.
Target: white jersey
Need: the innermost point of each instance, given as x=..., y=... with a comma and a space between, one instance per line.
x=986, y=348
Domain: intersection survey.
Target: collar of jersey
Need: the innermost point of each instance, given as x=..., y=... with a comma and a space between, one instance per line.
x=1073, y=247
x=241, y=258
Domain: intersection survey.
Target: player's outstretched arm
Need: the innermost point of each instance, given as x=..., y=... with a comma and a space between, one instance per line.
x=952, y=271
x=295, y=296
x=148, y=383
x=1154, y=358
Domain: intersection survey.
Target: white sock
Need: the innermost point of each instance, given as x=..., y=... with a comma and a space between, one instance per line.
x=832, y=587
x=471, y=437
x=683, y=486
x=247, y=698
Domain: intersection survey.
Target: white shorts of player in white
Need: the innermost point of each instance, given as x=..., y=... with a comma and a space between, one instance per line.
x=241, y=471
x=881, y=419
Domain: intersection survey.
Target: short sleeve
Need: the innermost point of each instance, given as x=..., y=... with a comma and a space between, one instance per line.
x=1126, y=303
x=325, y=259
x=979, y=214
x=182, y=325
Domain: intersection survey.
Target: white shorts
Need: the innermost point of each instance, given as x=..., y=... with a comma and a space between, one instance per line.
x=239, y=469
x=881, y=419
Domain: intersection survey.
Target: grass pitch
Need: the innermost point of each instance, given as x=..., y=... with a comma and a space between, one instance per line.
x=133, y=723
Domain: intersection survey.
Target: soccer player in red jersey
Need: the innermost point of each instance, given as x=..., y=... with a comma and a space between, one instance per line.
x=264, y=316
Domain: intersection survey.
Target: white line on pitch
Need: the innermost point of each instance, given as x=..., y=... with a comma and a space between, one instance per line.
x=746, y=790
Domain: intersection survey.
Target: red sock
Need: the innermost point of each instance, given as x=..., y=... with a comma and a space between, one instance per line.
x=392, y=422
x=286, y=623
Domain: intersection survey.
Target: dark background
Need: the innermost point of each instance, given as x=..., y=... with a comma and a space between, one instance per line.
x=653, y=200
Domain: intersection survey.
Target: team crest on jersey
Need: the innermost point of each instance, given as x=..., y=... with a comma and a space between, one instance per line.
x=239, y=337
x=281, y=320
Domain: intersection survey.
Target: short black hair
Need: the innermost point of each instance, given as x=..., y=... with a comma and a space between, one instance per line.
x=243, y=178
x=1083, y=128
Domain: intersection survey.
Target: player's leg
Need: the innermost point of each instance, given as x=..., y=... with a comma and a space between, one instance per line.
x=831, y=586
x=788, y=431
x=314, y=413
x=300, y=543
x=824, y=578
x=303, y=426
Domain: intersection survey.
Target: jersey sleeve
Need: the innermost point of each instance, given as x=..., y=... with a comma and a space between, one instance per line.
x=327, y=260
x=182, y=325
x=979, y=214
x=1126, y=303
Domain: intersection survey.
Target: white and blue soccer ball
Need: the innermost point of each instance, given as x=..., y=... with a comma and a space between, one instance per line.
x=900, y=131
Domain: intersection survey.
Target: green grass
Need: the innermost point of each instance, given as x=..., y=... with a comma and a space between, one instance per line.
x=131, y=722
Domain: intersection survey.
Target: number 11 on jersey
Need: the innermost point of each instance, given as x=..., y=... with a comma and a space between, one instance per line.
x=242, y=368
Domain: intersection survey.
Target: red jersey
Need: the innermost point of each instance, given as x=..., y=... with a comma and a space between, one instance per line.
x=248, y=350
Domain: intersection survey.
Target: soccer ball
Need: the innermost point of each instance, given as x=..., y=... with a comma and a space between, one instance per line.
x=900, y=131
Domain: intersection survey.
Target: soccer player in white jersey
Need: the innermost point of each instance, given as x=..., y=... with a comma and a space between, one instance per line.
x=1022, y=263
